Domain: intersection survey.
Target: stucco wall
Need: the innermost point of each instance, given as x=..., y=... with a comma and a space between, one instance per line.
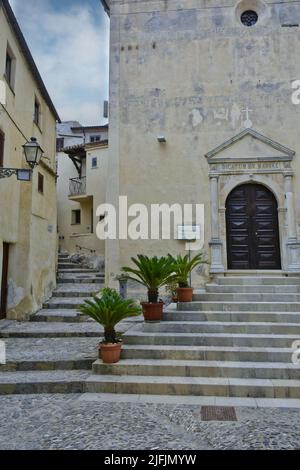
x=27, y=218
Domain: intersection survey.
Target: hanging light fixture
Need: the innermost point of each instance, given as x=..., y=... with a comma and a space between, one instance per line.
x=33, y=152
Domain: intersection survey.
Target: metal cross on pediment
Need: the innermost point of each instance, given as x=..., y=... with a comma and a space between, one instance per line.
x=248, y=123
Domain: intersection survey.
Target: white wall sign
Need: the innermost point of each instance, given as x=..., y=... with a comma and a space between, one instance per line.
x=189, y=232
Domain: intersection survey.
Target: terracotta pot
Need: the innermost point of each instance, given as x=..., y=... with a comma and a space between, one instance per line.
x=152, y=311
x=185, y=294
x=110, y=353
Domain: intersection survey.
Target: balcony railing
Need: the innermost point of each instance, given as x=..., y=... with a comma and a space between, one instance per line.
x=77, y=186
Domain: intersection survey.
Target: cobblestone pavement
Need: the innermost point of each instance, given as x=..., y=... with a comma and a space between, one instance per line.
x=71, y=422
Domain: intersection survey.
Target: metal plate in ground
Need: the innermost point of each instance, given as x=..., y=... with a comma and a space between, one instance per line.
x=218, y=413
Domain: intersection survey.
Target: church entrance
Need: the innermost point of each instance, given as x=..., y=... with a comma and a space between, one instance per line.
x=252, y=228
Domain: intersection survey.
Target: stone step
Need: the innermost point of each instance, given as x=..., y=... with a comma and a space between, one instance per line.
x=19, y=366
x=77, y=271
x=244, y=402
x=156, y=385
x=70, y=316
x=258, y=280
x=78, y=281
x=67, y=265
x=65, y=303
x=240, y=306
x=211, y=339
x=208, y=353
x=222, y=327
x=57, y=329
x=257, y=289
x=51, y=350
x=193, y=315
x=52, y=330
x=31, y=382
x=65, y=316
x=156, y=367
x=82, y=287
x=247, y=297
x=86, y=292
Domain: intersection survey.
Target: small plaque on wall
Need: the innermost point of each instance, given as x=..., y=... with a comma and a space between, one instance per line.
x=188, y=232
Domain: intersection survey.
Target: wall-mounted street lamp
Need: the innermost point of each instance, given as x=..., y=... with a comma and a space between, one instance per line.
x=33, y=154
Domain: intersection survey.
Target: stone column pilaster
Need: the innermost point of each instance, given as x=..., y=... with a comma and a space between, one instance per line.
x=292, y=245
x=216, y=245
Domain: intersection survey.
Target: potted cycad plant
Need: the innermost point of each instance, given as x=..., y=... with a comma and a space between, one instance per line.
x=109, y=310
x=152, y=273
x=183, y=266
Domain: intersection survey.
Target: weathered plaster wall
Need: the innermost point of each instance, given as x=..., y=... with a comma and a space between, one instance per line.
x=27, y=218
x=188, y=70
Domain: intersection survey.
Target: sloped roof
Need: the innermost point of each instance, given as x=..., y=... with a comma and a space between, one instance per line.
x=28, y=56
x=106, y=5
x=79, y=149
x=89, y=128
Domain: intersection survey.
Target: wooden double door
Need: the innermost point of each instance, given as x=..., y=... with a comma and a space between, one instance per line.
x=252, y=228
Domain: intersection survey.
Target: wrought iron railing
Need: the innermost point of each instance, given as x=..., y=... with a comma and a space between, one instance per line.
x=77, y=186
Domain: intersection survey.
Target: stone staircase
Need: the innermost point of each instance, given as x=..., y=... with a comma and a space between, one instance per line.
x=54, y=352
x=234, y=340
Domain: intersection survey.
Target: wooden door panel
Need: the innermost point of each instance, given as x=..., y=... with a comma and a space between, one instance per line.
x=252, y=229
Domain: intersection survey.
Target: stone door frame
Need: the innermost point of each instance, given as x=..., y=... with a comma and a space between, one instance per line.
x=275, y=173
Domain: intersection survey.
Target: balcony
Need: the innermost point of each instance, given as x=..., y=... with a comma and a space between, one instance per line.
x=77, y=188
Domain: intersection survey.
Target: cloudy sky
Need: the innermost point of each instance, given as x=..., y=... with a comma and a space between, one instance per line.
x=69, y=42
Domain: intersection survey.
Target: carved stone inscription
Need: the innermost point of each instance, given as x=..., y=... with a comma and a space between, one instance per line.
x=249, y=166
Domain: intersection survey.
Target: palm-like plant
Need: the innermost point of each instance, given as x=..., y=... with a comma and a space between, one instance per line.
x=109, y=310
x=152, y=273
x=183, y=266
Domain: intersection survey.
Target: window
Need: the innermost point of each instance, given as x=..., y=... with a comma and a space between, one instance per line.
x=94, y=162
x=60, y=143
x=37, y=112
x=95, y=138
x=76, y=217
x=40, y=183
x=249, y=18
x=10, y=67
x=1, y=148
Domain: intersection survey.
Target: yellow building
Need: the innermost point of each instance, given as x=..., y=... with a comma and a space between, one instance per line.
x=81, y=188
x=28, y=228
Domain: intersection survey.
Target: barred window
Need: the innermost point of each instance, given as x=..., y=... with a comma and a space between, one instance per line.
x=249, y=18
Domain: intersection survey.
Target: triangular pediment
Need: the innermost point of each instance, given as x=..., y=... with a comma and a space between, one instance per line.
x=249, y=145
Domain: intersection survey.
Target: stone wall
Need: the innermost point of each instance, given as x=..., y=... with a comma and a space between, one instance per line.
x=189, y=71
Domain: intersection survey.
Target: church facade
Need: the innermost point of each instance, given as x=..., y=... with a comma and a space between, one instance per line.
x=205, y=109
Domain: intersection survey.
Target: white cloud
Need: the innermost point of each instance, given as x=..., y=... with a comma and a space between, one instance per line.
x=70, y=47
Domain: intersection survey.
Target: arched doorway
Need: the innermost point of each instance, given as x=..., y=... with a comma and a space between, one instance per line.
x=252, y=228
